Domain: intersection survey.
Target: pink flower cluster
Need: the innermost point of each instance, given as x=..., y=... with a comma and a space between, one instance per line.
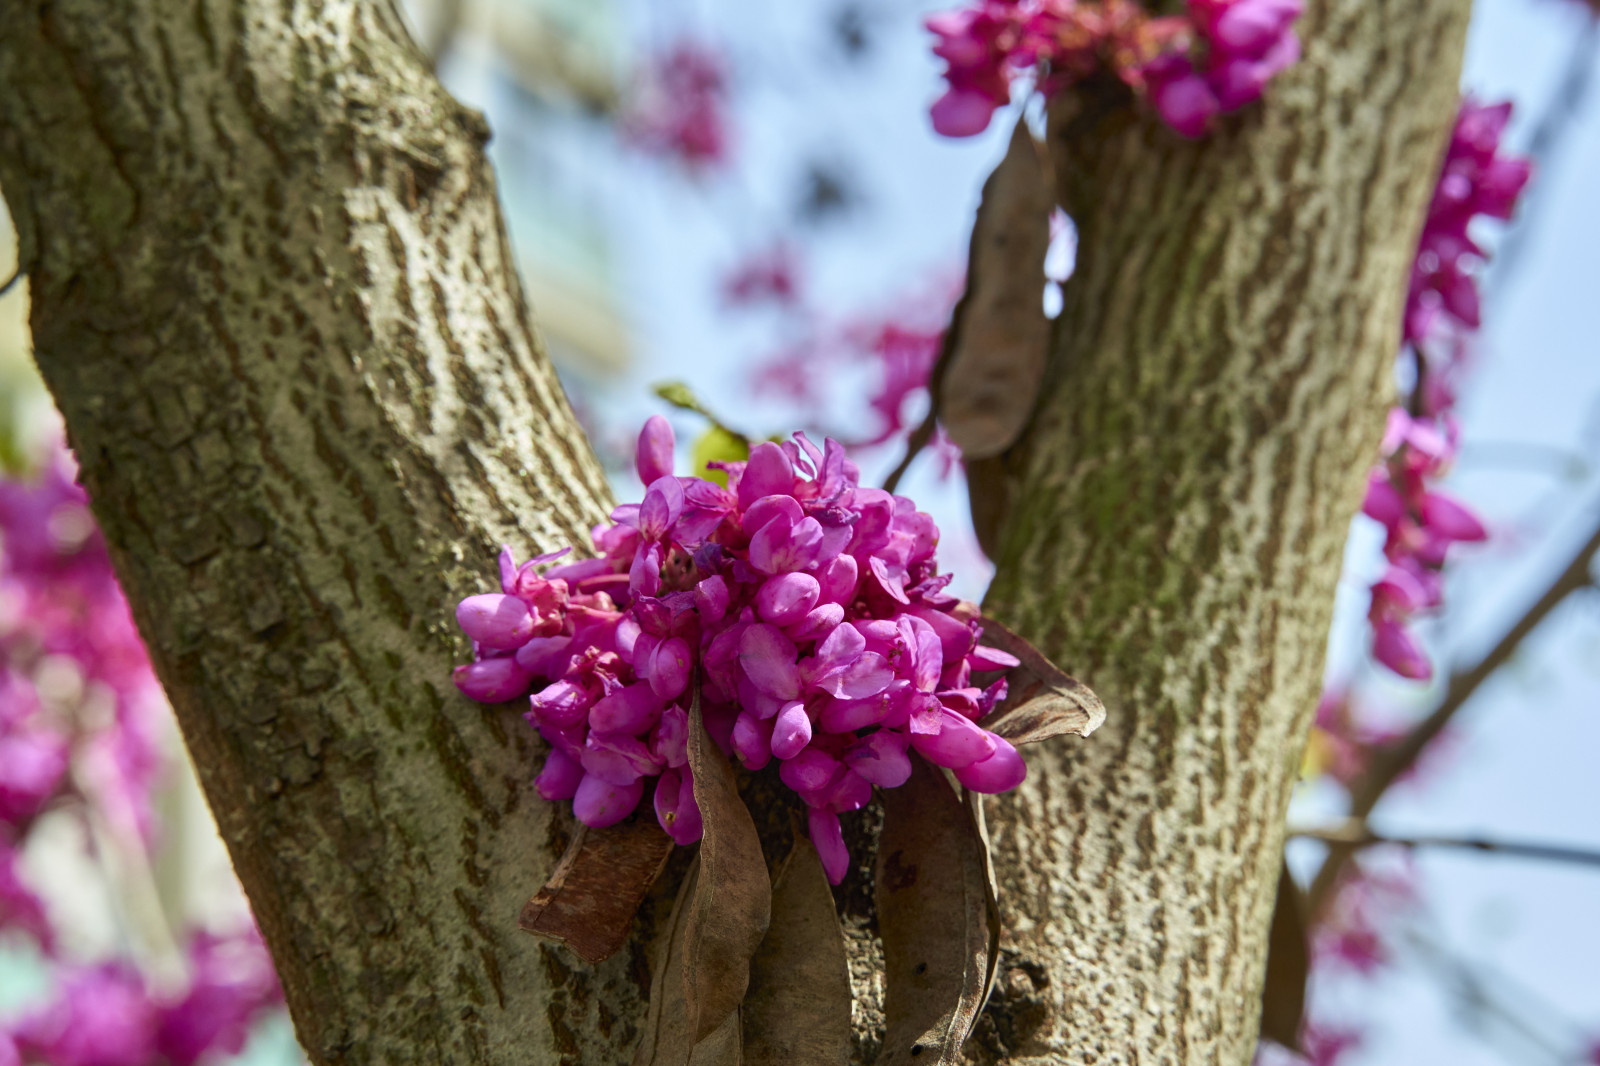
x=1245, y=43
x=73, y=672
x=108, y=1015
x=1420, y=522
x=679, y=109
x=1476, y=179
x=1216, y=57
x=1420, y=525
x=1350, y=934
x=804, y=607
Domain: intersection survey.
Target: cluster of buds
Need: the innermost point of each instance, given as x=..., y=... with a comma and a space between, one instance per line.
x=1420, y=522
x=679, y=108
x=803, y=610
x=74, y=678
x=1475, y=180
x=1215, y=58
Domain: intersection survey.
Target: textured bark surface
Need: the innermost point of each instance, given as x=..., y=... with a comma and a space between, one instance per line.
x=273, y=297
x=1217, y=390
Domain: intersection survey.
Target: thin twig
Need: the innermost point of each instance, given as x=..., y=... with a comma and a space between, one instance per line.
x=1390, y=762
x=914, y=444
x=12, y=281
x=1476, y=994
x=1356, y=834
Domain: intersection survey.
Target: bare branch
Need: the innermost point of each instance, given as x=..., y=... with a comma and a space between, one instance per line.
x=1389, y=763
x=1354, y=833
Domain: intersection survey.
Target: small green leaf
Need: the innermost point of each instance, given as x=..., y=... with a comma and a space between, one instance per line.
x=717, y=445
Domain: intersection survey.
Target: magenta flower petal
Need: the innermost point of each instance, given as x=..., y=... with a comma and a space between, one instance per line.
x=791, y=730
x=631, y=709
x=787, y=598
x=1395, y=648
x=958, y=742
x=767, y=473
x=842, y=647
x=663, y=503
x=848, y=792
x=1185, y=103
x=1383, y=501
x=492, y=680
x=495, y=620
x=984, y=658
x=810, y=771
x=828, y=838
x=545, y=656
x=1398, y=590
x=955, y=636
x=818, y=625
x=961, y=113
x=881, y=759
x=867, y=676
x=770, y=662
x=1252, y=27
x=1000, y=772
x=752, y=740
x=768, y=508
x=711, y=598
x=676, y=809
x=598, y=804
x=1450, y=518
x=670, y=666
x=653, y=455
x=670, y=741
x=846, y=716
x=560, y=777
x=561, y=703
x=838, y=579
x=617, y=759
x=644, y=576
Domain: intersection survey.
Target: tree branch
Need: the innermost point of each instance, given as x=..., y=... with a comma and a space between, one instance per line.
x=1354, y=833
x=1389, y=763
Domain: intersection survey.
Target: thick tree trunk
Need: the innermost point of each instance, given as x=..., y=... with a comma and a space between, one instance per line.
x=1177, y=514
x=273, y=298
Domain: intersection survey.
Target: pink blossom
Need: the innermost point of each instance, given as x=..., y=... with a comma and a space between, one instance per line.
x=806, y=611
x=1215, y=58
x=231, y=983
x=679, y=107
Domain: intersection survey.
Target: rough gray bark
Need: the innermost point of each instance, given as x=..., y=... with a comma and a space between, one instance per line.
x=1218, y=384
x=273, y=298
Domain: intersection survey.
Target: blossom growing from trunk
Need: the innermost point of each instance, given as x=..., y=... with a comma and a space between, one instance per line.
x=1215, y=57
x=805, y=611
